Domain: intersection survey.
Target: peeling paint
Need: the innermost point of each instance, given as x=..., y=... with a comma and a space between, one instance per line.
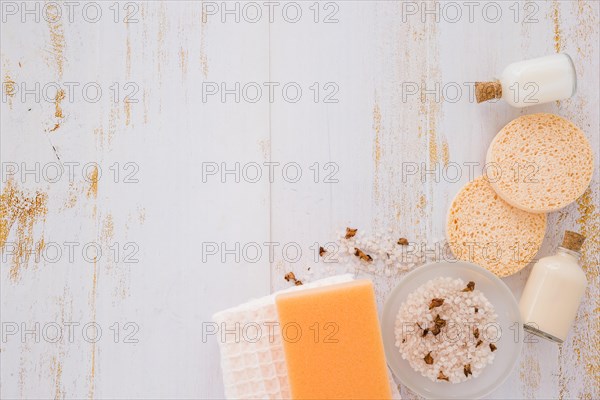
x=589, y=221
x=433, y=146
x=59, y=390
x=126, y=102
x=93, y=179
x=160, y=43
x=8, y=86
x=445, y=153
x=58, y=111
x=25, y=349
x=56, y=368
x=57, y=39
x=108, y=228
x=422, y=204
x=203, y=57
x=128, y=54
x=555, y=10
x=586, y=29
x=265, y=148
x=585, y=339
x=376, y=148
x=39, y=248
x=26, y=210
x=127, y=109
x=530, y=371
x=145, y=104
x=60, y=96
x=113, y=118
x=377, y=129
x=100, y=137
x=92, y=375
x=183, y=57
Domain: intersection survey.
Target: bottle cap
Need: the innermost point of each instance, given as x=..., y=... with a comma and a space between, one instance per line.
x=572, y=241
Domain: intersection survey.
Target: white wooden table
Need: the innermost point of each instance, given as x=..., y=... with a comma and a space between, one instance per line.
x=149, y=122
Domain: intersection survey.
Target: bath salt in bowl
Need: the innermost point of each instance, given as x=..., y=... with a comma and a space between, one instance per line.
x=443, y=330
x=443, y=326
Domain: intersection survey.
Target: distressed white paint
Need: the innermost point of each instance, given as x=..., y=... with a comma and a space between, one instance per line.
x=370, y=54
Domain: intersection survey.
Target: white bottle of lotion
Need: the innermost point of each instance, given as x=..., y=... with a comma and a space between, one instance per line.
x=553, y=291
x=530, y=82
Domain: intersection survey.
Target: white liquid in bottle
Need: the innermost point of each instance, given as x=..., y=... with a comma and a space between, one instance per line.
x=553, y=292
x=530, y=82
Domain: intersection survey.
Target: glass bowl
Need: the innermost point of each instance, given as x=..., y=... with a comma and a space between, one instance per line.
x=510, y=333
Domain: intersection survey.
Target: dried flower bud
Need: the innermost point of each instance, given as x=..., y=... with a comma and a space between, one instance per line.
x=428, y=359
x=403, y=242
x=360, y=254
x=350, y=233
x=493, y=347
x=436, y=303
x=470, y=287
x=443, y=377
x=290, y=276
x=467, y=370
x=322, y=251
x=425, y=331
x=439, y=321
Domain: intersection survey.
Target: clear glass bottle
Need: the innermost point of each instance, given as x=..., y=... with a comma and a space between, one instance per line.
x=531, y=82
x=553, y=291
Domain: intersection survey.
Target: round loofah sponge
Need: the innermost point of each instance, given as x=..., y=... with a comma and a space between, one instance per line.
x=485, y=230
x=540, y=163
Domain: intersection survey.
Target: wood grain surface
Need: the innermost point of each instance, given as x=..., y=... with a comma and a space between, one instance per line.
x=162, y=161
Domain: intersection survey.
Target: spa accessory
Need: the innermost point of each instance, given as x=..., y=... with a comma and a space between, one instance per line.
x=484, y=229
x=540, y=163
x=509, y=343
x=441, y=329
x=332, y=342
x=553, y=291
x=530, y=82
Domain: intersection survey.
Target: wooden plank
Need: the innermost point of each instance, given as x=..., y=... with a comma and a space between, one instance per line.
x=162, y=140
x=378, y=54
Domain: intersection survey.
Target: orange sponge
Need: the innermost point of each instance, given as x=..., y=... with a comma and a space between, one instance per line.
x=332, y=342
